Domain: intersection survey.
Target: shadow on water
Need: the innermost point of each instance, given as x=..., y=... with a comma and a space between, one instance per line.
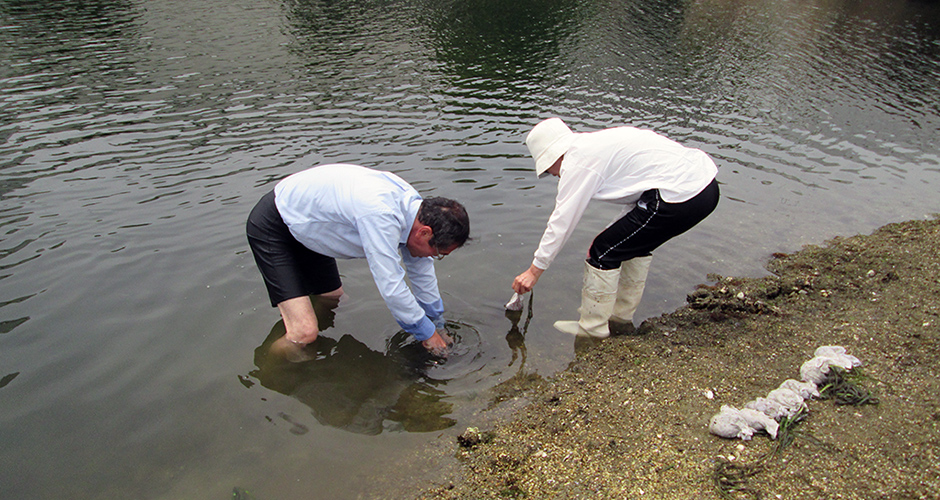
x=349, y=386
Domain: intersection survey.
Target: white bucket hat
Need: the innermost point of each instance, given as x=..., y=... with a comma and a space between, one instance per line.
x=548, y=141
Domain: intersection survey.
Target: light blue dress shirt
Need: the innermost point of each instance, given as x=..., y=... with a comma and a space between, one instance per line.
x=353, y=212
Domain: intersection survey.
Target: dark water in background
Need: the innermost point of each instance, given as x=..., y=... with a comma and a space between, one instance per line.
x=135, y=136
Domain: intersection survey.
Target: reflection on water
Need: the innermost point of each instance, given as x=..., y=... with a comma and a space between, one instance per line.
x=522, y=378
x=135, y=136
x=351, y=387
x=503, y=47
x=515, y=338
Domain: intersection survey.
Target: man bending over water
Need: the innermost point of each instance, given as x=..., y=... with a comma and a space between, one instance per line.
x=313, y=217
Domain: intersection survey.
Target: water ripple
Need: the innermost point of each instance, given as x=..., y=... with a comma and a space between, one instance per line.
x=136, y=135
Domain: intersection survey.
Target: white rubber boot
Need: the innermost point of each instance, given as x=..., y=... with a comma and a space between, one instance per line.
x=629, y=292
x=598, y=295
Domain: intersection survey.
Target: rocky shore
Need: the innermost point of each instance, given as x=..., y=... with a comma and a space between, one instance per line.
x=629, y=418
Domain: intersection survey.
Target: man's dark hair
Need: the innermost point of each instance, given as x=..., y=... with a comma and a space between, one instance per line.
x=448, y=220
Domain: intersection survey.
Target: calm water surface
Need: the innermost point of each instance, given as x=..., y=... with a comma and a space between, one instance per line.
x=135, y=136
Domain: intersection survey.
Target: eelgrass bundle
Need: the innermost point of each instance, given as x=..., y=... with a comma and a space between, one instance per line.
x=843, y=387
x=787, y=432
x=732, y=479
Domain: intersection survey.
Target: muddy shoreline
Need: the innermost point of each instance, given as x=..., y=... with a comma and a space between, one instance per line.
x=628, y=418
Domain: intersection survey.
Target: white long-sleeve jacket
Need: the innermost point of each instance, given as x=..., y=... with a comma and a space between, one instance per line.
x=617, y=165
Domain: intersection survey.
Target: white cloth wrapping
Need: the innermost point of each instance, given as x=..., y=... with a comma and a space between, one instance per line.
x=838, y=353
x=779, y=403
x=758, y=421
x=815, y=370
x=788, y=399
x=785, y=401
x=515, y=303
x=806, y=390
x=768, y=407
x=731, y=422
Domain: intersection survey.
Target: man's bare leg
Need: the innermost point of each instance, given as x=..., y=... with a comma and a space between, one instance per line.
x=300, y=323
x=335, y=294
x=300, y=320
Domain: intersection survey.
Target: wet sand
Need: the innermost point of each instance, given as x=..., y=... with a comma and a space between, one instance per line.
x=628, y=418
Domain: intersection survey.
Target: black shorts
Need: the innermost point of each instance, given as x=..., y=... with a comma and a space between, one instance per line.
x=649, y=225
x=289, y=269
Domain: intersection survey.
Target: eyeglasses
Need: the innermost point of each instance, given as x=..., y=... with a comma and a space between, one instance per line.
x=437, y=254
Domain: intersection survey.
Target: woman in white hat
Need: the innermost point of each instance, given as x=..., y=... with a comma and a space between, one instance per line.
x=665, y=188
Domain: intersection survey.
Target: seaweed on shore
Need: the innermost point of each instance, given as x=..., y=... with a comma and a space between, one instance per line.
x=732, y=478
x=844, y=388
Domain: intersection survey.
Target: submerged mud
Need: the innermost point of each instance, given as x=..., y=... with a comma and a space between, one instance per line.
x=629, y=418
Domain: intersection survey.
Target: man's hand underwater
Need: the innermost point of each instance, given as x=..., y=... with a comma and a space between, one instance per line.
x=438, y=344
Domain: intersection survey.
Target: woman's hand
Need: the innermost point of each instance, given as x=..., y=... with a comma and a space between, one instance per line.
x=527, y=280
